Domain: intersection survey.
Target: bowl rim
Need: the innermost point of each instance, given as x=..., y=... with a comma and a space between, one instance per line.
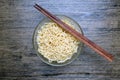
x=38, y=54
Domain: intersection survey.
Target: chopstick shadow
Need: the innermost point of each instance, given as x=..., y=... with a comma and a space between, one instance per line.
x=88, y=55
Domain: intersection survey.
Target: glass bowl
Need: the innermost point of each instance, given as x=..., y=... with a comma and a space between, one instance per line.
x=75, y=55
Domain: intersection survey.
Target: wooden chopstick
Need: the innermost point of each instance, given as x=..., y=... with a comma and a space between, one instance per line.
x=76, y=34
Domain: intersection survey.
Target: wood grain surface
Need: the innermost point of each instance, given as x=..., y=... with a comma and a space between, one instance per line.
x=99, y=19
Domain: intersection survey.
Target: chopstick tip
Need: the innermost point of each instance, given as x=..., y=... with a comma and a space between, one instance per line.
x=111, y=58
x=35, y=4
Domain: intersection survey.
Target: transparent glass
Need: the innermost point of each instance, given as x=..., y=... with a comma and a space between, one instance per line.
x=75, y=55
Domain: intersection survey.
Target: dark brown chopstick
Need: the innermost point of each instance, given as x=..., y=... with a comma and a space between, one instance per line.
x=76, y=34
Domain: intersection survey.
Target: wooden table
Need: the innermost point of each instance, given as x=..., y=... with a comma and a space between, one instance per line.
x=99, y=19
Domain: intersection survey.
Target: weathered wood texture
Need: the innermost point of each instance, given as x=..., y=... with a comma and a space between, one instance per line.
x=99, y=19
